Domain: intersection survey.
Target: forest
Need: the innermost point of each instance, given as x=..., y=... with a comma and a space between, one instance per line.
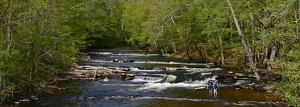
x=40, y=38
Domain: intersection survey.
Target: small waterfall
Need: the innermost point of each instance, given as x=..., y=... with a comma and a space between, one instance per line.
x=169, y=78
x=186, y=84
x=154, y=78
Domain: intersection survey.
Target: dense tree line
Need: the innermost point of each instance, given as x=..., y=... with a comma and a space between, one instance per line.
x=40, y=37
x=265, y=32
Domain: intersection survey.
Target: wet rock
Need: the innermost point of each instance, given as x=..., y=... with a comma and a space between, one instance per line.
x=235, y=77
x=245, y=86
x=268, y=87
x=73, y=66
x=17, y=102
x=251, y=76
x=125, y=69
x=129, y=77
x=118, y=71
x=84, y=57
x=125, y=60
x=131, y=60
x=100, y=53
x=24, y=100
x=34, y=98
x=239, y=74
x=116, y=60
x=106, y=73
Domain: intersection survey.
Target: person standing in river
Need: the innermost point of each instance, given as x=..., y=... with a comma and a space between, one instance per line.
x=215, y=88
x=209, y=86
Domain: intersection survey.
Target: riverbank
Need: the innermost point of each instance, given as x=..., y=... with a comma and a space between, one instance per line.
x=239, y=71
x=106, y=66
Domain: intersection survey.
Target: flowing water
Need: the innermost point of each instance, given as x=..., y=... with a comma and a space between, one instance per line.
x=157, y=81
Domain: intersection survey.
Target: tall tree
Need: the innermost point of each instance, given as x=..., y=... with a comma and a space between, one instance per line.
x=249, y=55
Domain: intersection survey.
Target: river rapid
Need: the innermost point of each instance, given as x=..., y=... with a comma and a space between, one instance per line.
x=156, y=81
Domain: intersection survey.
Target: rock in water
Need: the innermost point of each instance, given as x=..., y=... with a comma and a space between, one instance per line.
x=125, y=60
x=34, y=98
x=268, y=87
x=116, y=60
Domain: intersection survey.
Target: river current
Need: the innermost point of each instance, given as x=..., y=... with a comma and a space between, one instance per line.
x=157, y=81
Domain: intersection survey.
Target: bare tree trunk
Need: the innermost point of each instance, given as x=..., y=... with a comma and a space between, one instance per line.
x=188, y=54
x=173, y=44
x=265, y=46
x=221, y=47
x=231, y=30
x=270, y=64
x=253, y=36
x=111, y=8
x=184, y=42
x=9, y=29
x=243, y=42
x=166, y=49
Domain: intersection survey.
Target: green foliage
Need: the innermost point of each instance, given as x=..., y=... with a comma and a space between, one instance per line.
x=290, y=84
x=47, y=35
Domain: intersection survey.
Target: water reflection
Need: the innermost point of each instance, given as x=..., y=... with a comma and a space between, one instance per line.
x=215, y=96
x=210, y=95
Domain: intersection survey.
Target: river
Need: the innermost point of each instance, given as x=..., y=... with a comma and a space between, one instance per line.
x=157, y=81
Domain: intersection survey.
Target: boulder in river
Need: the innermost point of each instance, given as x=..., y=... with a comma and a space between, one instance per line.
x=116, y=60
x=125, y=60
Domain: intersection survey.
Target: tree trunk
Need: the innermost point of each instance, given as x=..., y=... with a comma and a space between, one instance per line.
x=269, y=69
x=166, y=49
x=243, y=42
x=221, y=47
x=203, y=58
x=187, y=53
x=9, y=28
x=253, y=36
x=265, y=52
x=173, y=41
x=184, y=42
